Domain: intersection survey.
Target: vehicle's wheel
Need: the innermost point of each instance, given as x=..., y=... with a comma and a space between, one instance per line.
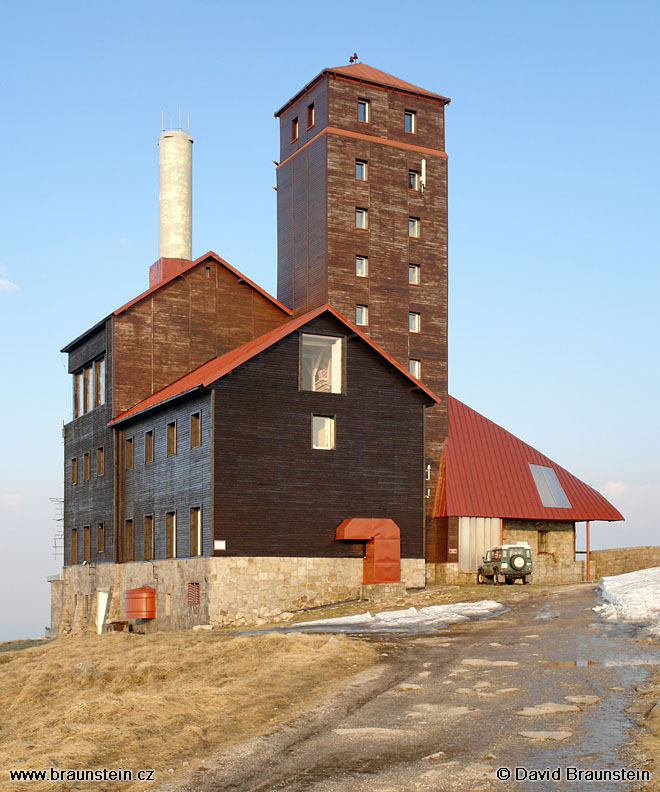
x=480, y=578
x=509, y=580
x=497, y=579
x=517, y=562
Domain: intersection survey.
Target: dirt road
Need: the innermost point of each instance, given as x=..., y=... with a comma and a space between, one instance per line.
x=543, y=688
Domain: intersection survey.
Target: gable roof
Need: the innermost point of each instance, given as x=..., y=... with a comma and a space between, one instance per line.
x=221, y=366
x=210, y=256
x=362, y=72
x=487, y=474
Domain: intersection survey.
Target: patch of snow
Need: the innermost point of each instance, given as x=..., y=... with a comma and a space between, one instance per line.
x=410, y=619
x=633, y=597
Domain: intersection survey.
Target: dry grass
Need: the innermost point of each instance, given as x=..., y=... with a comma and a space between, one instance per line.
x=156, y=701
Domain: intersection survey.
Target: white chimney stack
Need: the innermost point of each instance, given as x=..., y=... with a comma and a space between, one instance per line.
x=175, y=195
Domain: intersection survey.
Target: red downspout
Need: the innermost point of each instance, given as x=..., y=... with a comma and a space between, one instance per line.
x=588, y=556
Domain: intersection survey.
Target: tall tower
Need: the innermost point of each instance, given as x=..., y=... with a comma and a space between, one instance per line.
x=362, y=217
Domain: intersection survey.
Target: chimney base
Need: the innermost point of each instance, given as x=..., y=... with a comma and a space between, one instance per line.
x=166, y=268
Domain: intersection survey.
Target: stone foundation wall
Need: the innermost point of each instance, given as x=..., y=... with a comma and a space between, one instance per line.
x=618, y=560
x=233, y=591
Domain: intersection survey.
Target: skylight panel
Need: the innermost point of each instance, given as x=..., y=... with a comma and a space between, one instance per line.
x=548, y=487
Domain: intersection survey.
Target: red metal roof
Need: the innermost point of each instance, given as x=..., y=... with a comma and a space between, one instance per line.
x=218, y=367
x=206, y=257
x=362, y=72
x=488, y=475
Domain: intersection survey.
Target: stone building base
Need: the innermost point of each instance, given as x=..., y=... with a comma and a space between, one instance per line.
x=232, y=591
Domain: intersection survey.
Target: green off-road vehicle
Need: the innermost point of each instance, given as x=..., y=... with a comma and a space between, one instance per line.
x=506, y=563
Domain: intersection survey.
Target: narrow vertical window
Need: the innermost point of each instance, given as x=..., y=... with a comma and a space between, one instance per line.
x=195, y=429
x=86, y=548
x=413, y=180
x=149, y=446
x=543, y=542
x=361, y=218
x=86, y=465
x=99, y=382
x=361, y=314
x=195, y=531
x=148, y=537
x=74, y=470
x=311, y=119
x=360, y=170
x=363, y=111
x=294, y=130
x=413, y=227
x=100, y=461
x=127, y=544
x=410, y=121
x=77, y=394
x=170, y=535
x=74, y=545
x=88, y=388
x=128, y=452
x=361, y=266
x=323, y=432
x=414, y=322
x=171, y=438
x=100, y=538
x=193, y=594
x=414, y=276
x=415, y=368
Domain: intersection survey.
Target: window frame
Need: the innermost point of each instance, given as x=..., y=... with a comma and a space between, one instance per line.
x=414, y=322
x=365, y=309
x=74, y=471
x=129, y=453
x=414, y=177
x=412, y=115
x=172, y=440
x=100, y=538
x=86, y=466
x=100, y=461
x=366, y=103
x=195, y=510
x=342, y=364
x=311, y=115
x=363, y=166
x=417, y=281
x=364, y=213
x=148, y=446
x=414, y=225
x=365, y=262
x=170, y=534
x=332, y=433
x=295, y=130
x=415, y=363
x=196, y=429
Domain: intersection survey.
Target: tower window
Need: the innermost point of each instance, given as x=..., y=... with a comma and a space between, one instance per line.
x=413, y=227
x=414, y=322
x=361, y=218
x=360, y=170
x=310, y=115
x=415, y=368
x=361, y=315
x=86, y=465
x=414, y=275
x=410, y=121
x=74, y=470
x=323, y=432
x=100, y=461
x=413, y=180
x=363, y=111
x=361, y=266
x=294, y=130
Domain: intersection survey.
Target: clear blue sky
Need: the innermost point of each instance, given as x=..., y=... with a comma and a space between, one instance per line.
x=552, y=137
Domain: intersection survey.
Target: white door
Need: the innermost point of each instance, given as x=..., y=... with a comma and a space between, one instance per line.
x=476, y=535
x=100, y=614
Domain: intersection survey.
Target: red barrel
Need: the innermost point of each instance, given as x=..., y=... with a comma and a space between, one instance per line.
x=141, y=603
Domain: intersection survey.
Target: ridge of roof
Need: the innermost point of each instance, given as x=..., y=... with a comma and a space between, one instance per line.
x=362, y=72
x=488, y=475
x=220, y=366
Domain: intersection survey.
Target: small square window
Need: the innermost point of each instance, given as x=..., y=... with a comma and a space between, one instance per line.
x=74, y=470
x=294, y=130
x=361, y=170
x=310, y=115
x=361, y=218
x=195, y=429
x=361, y=266
x=363, y=110
x=414, y=322
x=413, y=180
x=415, y=368
x=321, y=363
x=414, y=276
x=413, y=227
x=86, y=466
x=100, y=538
x=100, y=461
x=149, y=446
x=323, y=432
x=361, y=315
x=171, y=438
x=410, y=121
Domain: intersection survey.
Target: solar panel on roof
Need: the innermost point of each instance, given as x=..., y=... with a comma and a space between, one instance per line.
x=548, y=486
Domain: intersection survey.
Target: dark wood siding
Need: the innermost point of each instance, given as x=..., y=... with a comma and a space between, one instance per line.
x=317, y=94
x=275, y=495
x=173, y=483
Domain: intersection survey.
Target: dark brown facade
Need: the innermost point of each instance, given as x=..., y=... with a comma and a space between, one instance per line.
x=318, y=193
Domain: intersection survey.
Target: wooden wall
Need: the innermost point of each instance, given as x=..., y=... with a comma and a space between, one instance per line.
x=182, y=325
x=275, y=495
